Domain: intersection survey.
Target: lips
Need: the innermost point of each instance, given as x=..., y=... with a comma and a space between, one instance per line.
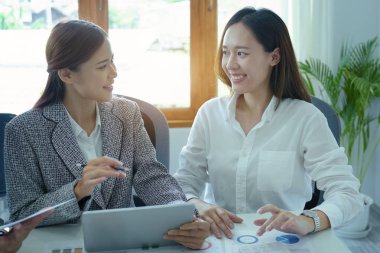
x=108, y=87
x=237, y=78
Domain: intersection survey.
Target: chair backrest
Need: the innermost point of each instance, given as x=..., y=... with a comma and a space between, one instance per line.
x=4, y=119
x=157, y=128
x=334, y=124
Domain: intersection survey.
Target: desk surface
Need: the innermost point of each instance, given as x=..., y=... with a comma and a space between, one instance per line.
x=40, y=238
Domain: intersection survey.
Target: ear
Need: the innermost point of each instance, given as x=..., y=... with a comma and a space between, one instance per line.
x=65, y=75
x=276, y=57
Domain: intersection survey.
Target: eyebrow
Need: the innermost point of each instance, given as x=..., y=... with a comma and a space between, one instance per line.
x=104, y=61
x=238, y=47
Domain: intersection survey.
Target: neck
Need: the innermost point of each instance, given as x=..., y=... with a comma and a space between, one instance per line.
x=255, y=103
x=82, y=111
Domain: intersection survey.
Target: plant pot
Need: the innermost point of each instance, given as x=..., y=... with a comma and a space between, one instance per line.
x=359, y=226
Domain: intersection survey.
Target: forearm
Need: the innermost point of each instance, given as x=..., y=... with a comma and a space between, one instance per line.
x=30, y=203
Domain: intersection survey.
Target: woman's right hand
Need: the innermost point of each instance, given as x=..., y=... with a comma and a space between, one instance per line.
x=95, y=172
x=221, y=220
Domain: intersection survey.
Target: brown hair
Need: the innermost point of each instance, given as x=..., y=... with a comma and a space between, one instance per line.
x=270, y=31
x=70, y=44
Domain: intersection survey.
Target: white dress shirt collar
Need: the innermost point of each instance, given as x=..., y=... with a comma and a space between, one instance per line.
x=78, y=130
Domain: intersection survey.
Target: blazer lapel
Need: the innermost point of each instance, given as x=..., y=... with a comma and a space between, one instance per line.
x=63, y=139
x=111, y=131
x=66, y=145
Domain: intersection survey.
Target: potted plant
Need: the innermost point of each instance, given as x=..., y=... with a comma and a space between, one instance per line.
x=350, y=92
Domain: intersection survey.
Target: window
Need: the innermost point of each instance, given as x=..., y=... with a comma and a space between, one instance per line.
x=193, y=59
x=164, y=49
x=24, y=29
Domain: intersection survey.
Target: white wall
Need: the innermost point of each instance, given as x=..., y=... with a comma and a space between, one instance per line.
x=178, y=139
x=351, y=20
x=357, y=21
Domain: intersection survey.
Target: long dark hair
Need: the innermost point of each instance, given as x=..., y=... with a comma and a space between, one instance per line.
x=269, y=29
x=70, y=44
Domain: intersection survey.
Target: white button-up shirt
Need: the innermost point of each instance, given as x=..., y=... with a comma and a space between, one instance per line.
x=273, y=164
x=91, y=146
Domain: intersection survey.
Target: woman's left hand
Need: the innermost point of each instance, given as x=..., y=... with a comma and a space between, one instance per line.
x=191, y=235
x=284, y=221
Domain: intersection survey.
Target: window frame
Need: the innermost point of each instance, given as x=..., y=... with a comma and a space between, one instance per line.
x=203, y=44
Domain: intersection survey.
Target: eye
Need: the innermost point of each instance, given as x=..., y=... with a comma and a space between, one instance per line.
x=225, y=52
x=241, y=53
x=103, y=66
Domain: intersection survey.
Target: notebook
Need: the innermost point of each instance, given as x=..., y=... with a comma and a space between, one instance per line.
x=134, y=227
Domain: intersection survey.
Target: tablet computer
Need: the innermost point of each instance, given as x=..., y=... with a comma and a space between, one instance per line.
x=133, y=227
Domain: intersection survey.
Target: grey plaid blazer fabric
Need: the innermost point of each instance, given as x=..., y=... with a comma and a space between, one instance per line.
x=41, y=153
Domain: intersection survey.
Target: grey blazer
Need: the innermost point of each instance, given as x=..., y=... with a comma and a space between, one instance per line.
x=41, y=153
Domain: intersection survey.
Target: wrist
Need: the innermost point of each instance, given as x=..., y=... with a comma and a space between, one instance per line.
x=77, y=191
x=313, y=219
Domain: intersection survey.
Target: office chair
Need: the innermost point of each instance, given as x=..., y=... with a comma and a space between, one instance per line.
x=158, y=130
x=4, y=119
x=334, y=124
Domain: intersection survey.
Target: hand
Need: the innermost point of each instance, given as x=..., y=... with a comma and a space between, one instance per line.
x=284, y=221
x=95, y=172
x=10, y=242
x=219, y=218
x=191, y=235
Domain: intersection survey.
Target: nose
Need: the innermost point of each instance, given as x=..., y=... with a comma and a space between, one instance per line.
x=113, y=71
x=231, y=63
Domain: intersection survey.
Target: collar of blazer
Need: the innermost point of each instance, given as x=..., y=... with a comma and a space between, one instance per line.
x=66, y=145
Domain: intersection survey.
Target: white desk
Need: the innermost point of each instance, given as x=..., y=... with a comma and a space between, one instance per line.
x=321, y=242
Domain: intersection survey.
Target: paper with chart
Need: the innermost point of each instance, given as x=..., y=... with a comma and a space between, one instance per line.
x=44, y=210
x=246, y=241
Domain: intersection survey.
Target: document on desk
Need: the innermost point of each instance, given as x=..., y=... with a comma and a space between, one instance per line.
x=44, y=210
x=246, y=241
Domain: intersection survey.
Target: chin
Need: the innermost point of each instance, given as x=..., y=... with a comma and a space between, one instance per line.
x=105, y=99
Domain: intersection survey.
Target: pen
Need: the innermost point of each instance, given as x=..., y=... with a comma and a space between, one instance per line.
x=121, y=169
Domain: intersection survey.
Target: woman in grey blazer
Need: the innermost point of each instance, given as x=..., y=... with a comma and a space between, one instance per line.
x=77, y=122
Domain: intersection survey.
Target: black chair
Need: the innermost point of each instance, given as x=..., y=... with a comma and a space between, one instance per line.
x=334, y=124
x=4, y=119
x=158, y=130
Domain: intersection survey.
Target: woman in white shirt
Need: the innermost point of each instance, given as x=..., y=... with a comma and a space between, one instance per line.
x=260, y=148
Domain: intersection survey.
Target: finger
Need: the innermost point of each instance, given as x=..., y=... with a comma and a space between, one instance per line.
x=225, y=217
x=278, y=221
x=214, y=228
x=198, y=224
x=94, y=182
x=219, y=229
x=105, y=160
x=268, y=208
x=259, y=222
x=221, y=224
x=189, y=233
x=103, y=171
x=235, y=218
x=263, y=227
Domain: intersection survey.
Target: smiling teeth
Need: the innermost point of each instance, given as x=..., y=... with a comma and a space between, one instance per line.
x=237, y=77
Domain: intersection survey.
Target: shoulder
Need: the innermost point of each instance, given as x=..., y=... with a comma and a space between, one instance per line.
x=299, y=108
x=119, y=105
x=215, y=104
x=29, y=119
